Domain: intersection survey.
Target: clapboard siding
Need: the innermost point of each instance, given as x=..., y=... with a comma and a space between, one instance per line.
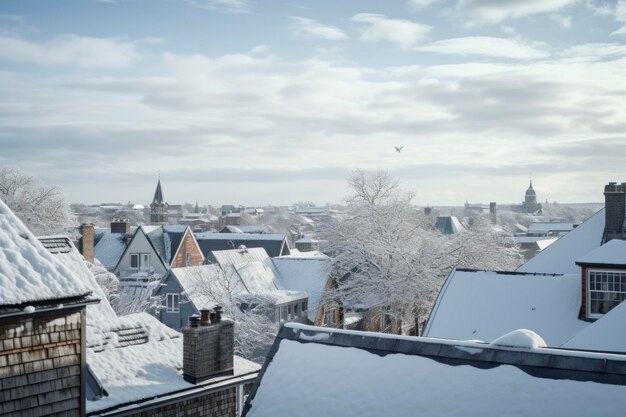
x=40, y=366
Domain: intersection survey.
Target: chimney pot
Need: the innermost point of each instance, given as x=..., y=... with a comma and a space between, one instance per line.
x=218, y=314
x=194, y=321
x=205, y=317
x=208, y=351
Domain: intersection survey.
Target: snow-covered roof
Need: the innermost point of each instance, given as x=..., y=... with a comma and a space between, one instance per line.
x=274, y=244
x=199, y=282
x=483, y=305
x=307, y=274
x=28, y=272
x=611, y=253
x=236, y=256
x=605, y=334
x=560, y=257
x=327, y=372
x=109, y=249
x=137, y=358
x=545, y=227
x=74, y=261
x=544, y=243
x=240, y=236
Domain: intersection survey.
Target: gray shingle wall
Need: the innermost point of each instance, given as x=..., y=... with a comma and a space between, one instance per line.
x=217, y=404
x=40, y=366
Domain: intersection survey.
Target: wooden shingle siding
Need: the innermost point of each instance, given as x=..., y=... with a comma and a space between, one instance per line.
x=40, y=366
x=187, y=246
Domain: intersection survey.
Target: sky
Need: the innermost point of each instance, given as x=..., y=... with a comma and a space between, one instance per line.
x=274, y=102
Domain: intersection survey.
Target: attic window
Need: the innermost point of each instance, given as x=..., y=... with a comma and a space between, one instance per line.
x=606, y=290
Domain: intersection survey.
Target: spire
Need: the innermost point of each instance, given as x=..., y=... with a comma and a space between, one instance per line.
x=158, y=194
x=531, y=184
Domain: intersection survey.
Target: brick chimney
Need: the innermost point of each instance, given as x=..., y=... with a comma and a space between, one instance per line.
x=87, y=232
x=615, y=201
x=208, y=347
x=120, y=226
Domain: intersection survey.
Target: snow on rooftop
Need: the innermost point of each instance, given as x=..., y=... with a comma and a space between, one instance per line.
x=536, y=227
x=605, y=334
x=544, y=243
x=28, y=272
x=485, y=305
x=143, y=371
x=297, y=382
x=521, y=338
x=611, y=253
x=307, y=274
x=239, y=236
x=560, y=257
x=200, y=282
x=109, y=249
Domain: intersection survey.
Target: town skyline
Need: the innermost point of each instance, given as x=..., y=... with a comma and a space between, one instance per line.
x=263, y=102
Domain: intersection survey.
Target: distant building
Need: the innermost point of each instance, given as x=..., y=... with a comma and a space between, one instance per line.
x=159, y=209
x=530, y=204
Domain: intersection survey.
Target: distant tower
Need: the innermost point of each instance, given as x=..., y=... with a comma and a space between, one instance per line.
x=196, y=209
x=530, y=200
x=158, y=207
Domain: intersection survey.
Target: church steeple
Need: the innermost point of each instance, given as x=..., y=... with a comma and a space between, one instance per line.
x=158, y=208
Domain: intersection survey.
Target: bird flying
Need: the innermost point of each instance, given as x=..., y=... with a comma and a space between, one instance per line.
x=398, y=149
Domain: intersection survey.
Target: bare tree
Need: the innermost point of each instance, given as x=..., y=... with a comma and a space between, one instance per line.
x=137, y=297
x=391, y=258
x=255, y=328
x=40, y=206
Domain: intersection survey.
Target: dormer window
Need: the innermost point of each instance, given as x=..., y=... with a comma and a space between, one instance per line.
x=605, y=290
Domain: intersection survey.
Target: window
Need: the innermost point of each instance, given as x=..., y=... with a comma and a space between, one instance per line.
x=606, y=289
x=304, y=306
x=172, y=303
x=188, y=259
x=140, y=261
x=295, y=308
x=329, y=317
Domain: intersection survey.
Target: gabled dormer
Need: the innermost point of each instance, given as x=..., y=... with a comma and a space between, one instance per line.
x=603, y=283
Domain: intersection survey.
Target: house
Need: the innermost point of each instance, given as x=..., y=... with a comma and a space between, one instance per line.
x=156, y=249
x=137, y=366
x=314, y=372
x=42, y=327
x=274, y=244
x=567, y=293
x=240, y=274
x=248, y=228
x=309, y=273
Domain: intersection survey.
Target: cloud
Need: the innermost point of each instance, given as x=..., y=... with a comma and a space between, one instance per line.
x=485, y=46
x=417, y=5
x=564, y=21
x=225, y=6
x=84, y=52
x=311, y=29
x=378, y=27
x=496, y=11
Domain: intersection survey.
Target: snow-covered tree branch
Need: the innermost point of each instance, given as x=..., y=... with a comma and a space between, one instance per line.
x=40, y=206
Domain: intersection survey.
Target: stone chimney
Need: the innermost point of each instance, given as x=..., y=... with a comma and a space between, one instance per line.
x=120, y=226
x=208, y=347
x=615, y=201
x=87, y=232
x=493, y=213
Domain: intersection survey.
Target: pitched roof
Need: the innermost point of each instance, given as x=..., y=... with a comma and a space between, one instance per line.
x=28, y=272
x=449, y=225
x=483, y=305
x=560, y=257
x=611, y=253
x=380, y=374
x=109, y=248
x=274, y=244
x=605, y=334
x=308, y=274
x=158, y=194
x=545, y=227
x=137, y=358
x=166, y=240
x=66, y=254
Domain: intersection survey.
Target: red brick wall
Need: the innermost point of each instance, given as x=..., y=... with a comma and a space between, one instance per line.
x=583, y=305
x=188, y=246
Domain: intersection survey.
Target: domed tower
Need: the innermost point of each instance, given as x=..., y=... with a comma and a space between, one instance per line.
x=531, y=195
x=158, y=207
x=530, y=204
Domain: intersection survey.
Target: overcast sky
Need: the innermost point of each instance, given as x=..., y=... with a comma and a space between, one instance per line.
x=257, y=102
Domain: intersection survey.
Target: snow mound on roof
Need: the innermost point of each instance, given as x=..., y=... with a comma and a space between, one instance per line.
x=28, y=272
x=521, y=338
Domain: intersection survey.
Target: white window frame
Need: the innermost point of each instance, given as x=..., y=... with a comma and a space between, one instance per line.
x=602, y=291
x=188, y=259
x=170, y=305
x=144, y=261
